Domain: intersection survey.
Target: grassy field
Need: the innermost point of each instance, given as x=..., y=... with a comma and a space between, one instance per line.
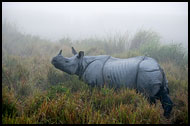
x=34, y=92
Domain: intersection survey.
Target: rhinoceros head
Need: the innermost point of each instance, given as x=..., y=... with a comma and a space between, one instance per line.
x=68, y=65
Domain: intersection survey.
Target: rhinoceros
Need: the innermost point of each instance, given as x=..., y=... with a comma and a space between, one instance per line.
x=141, y=73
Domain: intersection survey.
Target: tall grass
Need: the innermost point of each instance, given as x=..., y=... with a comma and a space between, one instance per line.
x=33, y=91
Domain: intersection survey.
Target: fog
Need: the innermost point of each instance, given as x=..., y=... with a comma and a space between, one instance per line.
x=54, y=21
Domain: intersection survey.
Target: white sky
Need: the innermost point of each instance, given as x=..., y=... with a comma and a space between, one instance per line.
x=81, y=20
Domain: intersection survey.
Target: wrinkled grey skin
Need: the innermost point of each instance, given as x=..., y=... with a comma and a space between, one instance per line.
x=141, y=73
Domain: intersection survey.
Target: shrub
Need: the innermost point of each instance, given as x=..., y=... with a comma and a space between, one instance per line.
x=14, y=71
x=9, y=102
x=55, y=90
x=180, y=111
x=33, y=103
x=165, y=53
x=143, y=37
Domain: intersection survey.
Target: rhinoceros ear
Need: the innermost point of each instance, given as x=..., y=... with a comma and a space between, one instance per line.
x=81, y=54
x=60, y=52
x=74, y=51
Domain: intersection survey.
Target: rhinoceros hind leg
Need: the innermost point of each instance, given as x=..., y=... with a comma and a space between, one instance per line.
x=167, y=104
x=154, y=90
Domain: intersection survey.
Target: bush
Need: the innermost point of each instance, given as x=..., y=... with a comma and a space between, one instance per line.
x=143, y=37
x=165, y=53
x=55, y=90
x=33, y=103
x=9, y=103
x=14, y=71
x=180, y=112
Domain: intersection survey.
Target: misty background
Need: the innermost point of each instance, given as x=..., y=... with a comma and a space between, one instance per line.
x=34, y=91
x=53, y=21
